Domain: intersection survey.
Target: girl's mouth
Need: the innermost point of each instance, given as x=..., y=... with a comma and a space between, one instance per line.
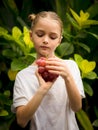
x=44, y=47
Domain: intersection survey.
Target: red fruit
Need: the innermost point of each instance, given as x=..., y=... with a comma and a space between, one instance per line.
x=47, y=76
x=41, y=61
x=52, y=77
x=41, y=69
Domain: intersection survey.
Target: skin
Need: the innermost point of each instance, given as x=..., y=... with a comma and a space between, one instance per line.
x=46, y=36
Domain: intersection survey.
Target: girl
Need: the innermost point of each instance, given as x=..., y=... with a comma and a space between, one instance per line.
x=48, y=105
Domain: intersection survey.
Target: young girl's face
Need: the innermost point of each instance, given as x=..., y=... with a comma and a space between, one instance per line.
x=46, y=36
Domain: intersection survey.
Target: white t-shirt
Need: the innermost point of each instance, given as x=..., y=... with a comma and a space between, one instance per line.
x=54, y=112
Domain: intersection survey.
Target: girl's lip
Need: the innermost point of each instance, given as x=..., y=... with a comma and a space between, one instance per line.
x=44, y=47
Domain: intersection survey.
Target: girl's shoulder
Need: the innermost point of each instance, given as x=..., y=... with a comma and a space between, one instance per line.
x=28, y=70
x=71, y=64
x=69, y=61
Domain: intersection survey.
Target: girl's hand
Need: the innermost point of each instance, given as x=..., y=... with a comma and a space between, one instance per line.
x=44, y=86
x=57, y=66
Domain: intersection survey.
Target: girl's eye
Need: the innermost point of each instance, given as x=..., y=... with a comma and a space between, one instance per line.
x=40, y=34
x=53, y=37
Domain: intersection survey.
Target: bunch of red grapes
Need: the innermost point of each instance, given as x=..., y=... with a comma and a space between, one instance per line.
x=42, y=70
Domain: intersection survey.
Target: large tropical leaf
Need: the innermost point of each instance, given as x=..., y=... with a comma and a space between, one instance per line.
x=65, y=49
x=21, y=63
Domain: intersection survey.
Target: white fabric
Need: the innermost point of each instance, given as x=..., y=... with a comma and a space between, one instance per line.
x=54, y=112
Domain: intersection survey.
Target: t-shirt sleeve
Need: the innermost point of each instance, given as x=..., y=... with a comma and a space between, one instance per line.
x=77, y=76
x=19, y=96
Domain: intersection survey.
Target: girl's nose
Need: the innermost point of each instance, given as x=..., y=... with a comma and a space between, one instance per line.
x=46, y=40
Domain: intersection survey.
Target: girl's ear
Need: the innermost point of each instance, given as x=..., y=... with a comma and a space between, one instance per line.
x=60, y=39
x=30, y=34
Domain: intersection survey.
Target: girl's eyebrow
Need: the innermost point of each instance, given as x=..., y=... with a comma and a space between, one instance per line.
x=52, y=33
x=39, y=30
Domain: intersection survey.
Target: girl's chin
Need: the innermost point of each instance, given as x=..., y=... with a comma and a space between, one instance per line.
x=44, y=54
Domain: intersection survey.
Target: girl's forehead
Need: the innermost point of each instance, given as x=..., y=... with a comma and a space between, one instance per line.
x=48, y=20
x=48, y=25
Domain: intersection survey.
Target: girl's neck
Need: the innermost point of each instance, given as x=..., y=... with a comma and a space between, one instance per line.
x=50, y=56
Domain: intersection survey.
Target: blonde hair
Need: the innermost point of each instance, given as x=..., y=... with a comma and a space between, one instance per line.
x=35, y=18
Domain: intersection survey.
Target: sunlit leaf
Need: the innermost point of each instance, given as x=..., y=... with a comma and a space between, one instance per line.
x=26, y=38
x=87, y=66
x=16, y=32
x=12, y=74
x=89, y=22
x=73, y=22
x=78, y=59
x=6, y=36
x=75, y=15
x=83, y=20
x=84, y=16
x=3, y=113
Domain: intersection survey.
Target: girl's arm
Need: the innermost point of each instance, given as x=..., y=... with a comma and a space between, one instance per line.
x=58, y=66
x=25, y=113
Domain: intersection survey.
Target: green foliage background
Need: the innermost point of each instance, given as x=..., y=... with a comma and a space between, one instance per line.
x=80, y=42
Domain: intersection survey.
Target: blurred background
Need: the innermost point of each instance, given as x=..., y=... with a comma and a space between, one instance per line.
x=80, y=43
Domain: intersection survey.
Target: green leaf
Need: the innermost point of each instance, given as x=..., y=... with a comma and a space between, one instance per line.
x=21, y=63
x=65, y=49
x=87, y=66
x=10, y=4
x=6, y=36
x=93, y=10
x=84, y=46
x=95, y=123
x=18, y=64
x=88, y=89
x=84, y=120
x=93, y=34
x=26, y=38
x=78, y=59
x=67, y=35
x=96, y=111
x=7, y=93
x=3, y=113
x=16, y=32
x=9, y=53
x=75, y=15
x=90, y=75
x=73, y=22
x=90, y=22
x=3, y=30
